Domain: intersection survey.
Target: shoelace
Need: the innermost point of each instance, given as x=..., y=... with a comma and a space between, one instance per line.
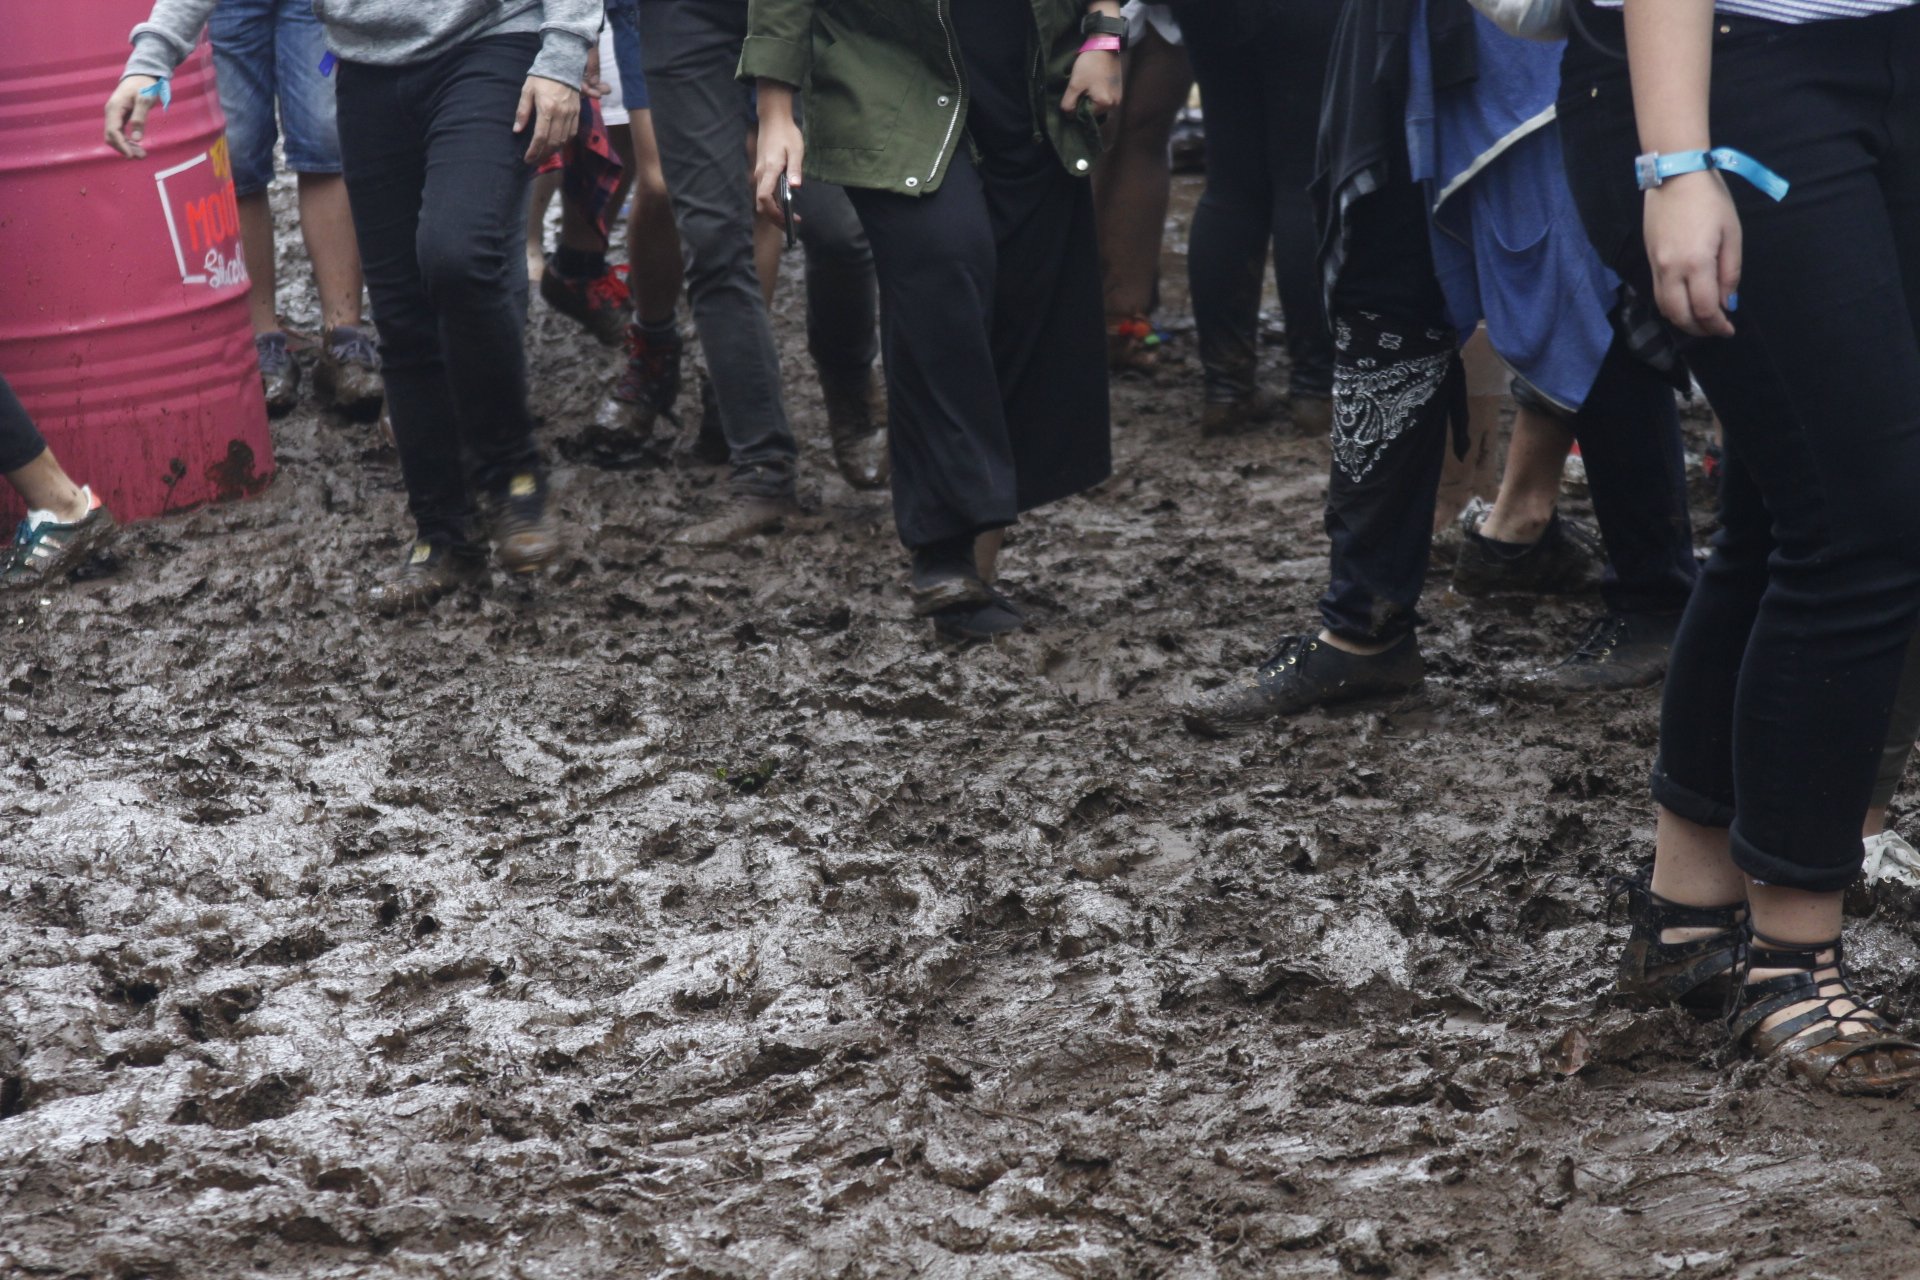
x=353, y=346
x=1602, y=638
x=271, y=348
x=1286, y=649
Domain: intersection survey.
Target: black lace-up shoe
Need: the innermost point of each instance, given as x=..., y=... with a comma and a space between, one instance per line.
x=1301, y=672
x=1566, y=558
x=431, y=571
x=525, y=535
x=1620, y=651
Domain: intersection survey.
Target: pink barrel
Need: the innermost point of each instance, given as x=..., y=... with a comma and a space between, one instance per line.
x=125, y=329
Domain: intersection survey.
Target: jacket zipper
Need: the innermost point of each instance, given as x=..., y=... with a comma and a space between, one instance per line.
x=960, y=98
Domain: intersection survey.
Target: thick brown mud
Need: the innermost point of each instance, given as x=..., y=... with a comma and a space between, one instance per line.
x=695, y=914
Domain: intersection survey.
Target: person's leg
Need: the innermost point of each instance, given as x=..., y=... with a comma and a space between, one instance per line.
x=1530, y=481
x=30, y=466
x=701, y=117
x=655, y=271
x=383, y=138
x=65, y=523
x=1233, y=223
x=308, y=119
x=545, y=187
x=1299, y=42
x=843, y=330
x=1132, y=187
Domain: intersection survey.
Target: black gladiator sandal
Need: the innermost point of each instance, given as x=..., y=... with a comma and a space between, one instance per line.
x=1812, y=1041
x=1697, y=974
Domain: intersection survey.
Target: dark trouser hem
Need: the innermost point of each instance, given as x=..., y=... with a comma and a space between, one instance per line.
x=1688, y=803
x=1784, y=873
x=20, y=441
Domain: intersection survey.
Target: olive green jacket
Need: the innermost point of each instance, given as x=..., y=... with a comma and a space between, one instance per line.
x=884, y=95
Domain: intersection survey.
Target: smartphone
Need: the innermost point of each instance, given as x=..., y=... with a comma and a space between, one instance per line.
x=786, y=210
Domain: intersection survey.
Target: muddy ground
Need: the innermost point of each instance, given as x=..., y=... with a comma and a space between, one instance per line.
x=694, y=914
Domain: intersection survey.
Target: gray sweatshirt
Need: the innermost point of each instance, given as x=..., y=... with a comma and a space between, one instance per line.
x=396, y=32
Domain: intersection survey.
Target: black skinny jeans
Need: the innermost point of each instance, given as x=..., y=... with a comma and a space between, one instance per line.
x=1784, y=672
x=438, y=182
x=1261, y=65
x=20, y=441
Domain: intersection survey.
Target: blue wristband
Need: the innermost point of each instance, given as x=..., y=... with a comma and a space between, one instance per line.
x=1652, y=169
x=161, y=89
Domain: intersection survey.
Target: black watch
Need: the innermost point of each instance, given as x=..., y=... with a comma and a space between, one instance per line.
x=1099, y=24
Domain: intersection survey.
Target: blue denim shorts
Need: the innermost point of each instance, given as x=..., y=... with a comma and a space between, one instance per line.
x=267, y=52
x=624, y=17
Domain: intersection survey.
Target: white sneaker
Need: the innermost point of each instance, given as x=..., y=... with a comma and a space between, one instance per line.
x=1890, y=858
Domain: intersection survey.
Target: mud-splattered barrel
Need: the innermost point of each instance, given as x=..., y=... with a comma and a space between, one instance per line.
x=123, y=313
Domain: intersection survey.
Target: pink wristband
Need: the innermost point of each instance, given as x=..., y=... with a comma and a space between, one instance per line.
x=1102, y=44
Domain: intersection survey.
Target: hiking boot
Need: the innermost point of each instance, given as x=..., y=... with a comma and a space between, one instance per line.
x=857, y=426
x=1232, y=417
x=44, y=550
x=431, y=571
x=601, y=304
x=347, y=375
x=649, y=384
x=1566, y=558
x=946, y=577
x=1620, y=651
x=746, y=515
x=279, y=375
x=1311, y=412
x=1301, y=672
x=525, y=535
x=710, y=444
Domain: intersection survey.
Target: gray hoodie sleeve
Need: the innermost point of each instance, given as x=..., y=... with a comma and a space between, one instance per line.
x=568, y=29
x=164, y=40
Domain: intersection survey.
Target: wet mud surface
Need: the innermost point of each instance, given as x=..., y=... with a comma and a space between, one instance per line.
x=694, y=914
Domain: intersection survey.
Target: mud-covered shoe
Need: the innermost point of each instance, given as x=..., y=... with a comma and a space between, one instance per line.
x=1302, y=672
x=45, y=550
x=649, y=385
x=946, y=578
x=431, y=571
x=746, y=515
x=525, y=535
x=972, y=623
x=1697, y=969
x=279, y=375
x=857, y=427
x=347, y=373
x=1807, y=1014
x=1311, y=413
x=1222, y=417
x=1566, y=558
x=1620, y=651
x=601, y=304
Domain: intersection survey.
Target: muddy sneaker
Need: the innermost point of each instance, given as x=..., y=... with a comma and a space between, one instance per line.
x=1621, y=651
x=347, y=375
x=946, y=578
x=525, y=535
x=1233, y=417
x=857, y=427
x=1301, y=672
x=746, y=515
x=600, y=303
x=1566, y=558
x=279, y=375
x=650, y=383
x=431, y=571
x=44, y=550
x=1311, y=412
x=973, y=623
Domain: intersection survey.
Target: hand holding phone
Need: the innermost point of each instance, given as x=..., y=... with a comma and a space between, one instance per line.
x=786, y=211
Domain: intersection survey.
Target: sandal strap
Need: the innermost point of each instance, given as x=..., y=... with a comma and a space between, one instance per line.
x=1659, y=913
x=1763, y=952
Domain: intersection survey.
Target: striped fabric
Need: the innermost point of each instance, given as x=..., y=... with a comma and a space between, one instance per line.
x=1796, y=10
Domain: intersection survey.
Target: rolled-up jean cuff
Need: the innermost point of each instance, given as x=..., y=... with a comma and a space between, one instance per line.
x=1688, y=803
x=1770, y=870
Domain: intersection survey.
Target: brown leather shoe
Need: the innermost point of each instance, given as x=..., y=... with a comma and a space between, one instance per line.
x=347, y=374
x=746, y=515
x=856, y=422
x=1232, y=417
x=429, y=573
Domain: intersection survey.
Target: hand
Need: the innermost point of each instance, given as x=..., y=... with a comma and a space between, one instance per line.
x=127, y=116
x=1097, y=77
x=591, y=84
x=1693, y=244
x=782, y=149
x=552, y=110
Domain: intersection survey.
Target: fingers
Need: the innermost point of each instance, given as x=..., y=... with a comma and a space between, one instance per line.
x=1731, y=252
x=766, y=182
x=1704, y=300
x=127, y=121
x=555, y=114
x=525, y=111
x=1070, y=100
